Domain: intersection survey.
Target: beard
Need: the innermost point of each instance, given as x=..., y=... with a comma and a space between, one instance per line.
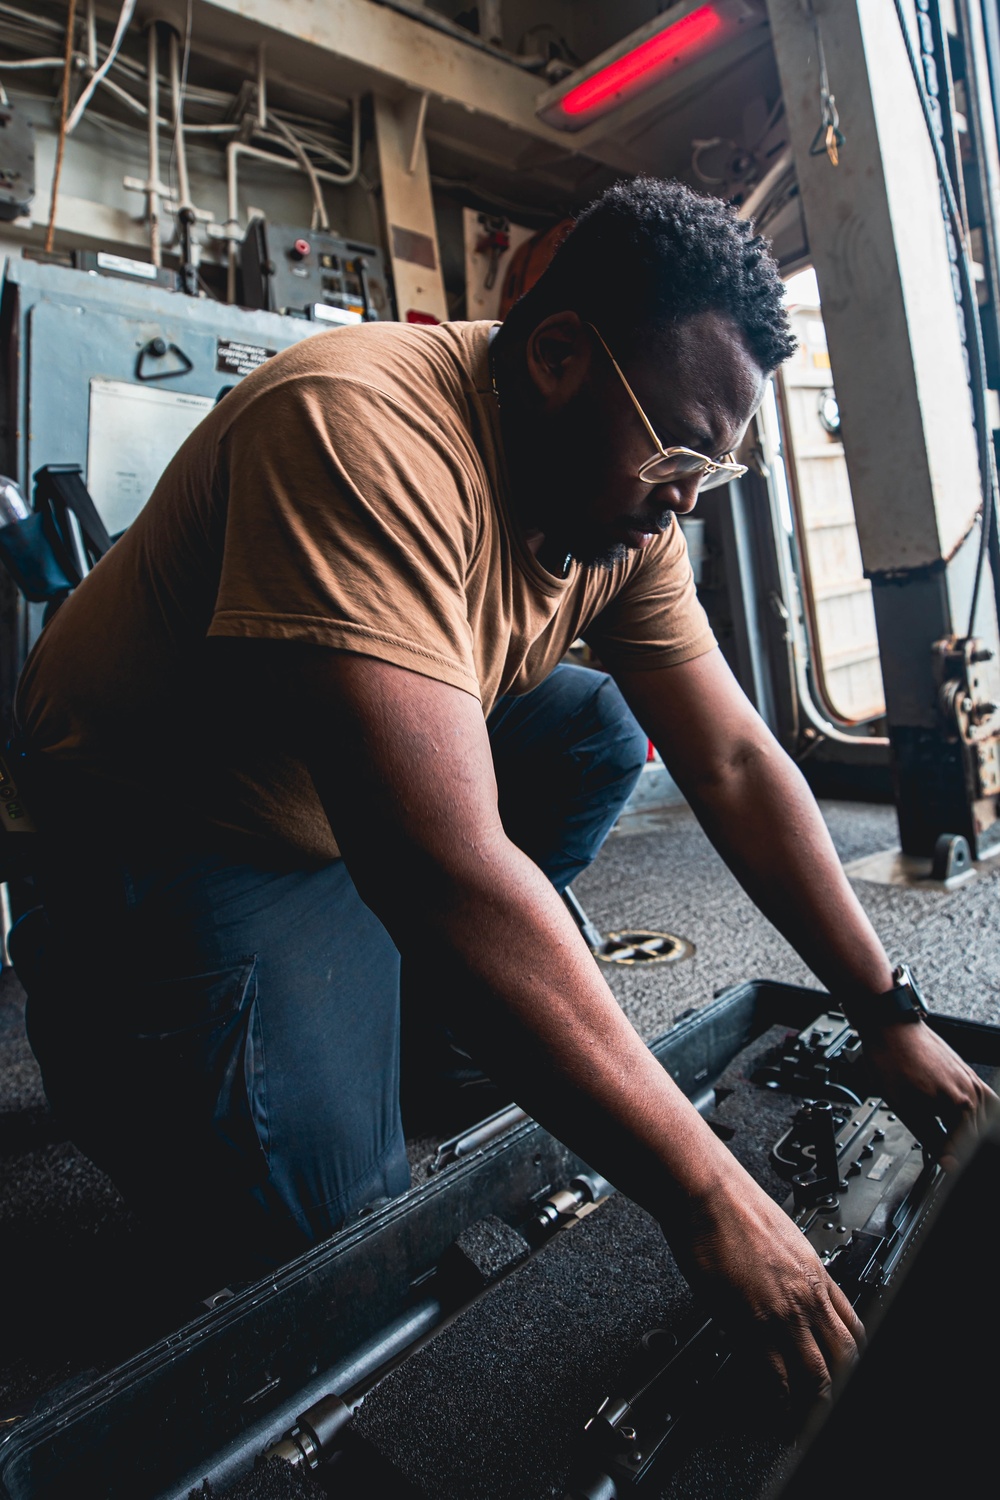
x=567, y=483
x=600, y=557
x=572, y=535
x=566, y=543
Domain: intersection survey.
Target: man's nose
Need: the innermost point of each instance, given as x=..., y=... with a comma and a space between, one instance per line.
x=681, y=495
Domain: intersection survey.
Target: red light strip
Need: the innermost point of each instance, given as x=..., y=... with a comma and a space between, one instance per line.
x=649, y=57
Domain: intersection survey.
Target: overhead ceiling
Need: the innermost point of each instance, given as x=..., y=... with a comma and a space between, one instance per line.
x=481, y=119
x=486, y=139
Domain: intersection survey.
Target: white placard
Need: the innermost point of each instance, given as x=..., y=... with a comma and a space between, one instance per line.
x=125, y=266
x=325, y=312
x=133, y=434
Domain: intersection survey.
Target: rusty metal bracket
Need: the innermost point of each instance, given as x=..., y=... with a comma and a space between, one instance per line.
x=969, y=710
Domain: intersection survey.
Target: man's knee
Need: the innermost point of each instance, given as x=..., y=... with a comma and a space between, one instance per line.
x=620, y=741
x=581, y=711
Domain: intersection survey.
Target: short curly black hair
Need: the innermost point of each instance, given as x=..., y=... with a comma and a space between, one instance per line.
x=650, y=252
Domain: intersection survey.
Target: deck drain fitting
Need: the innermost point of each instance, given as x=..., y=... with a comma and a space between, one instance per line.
x=643, y=948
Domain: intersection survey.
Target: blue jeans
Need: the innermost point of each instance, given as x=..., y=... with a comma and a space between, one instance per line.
x=223, y=1039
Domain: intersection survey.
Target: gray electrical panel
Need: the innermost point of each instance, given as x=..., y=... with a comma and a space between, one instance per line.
x=17, y=162
x=110, y=373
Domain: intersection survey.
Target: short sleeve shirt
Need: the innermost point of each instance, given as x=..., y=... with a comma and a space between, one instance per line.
x=350, y=493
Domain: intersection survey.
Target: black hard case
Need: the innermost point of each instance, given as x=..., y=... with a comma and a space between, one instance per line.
x=205, y=1402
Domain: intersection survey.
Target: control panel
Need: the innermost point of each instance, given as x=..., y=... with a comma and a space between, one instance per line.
x=312, y=273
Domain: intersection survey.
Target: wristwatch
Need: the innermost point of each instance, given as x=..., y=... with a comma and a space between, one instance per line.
x=903, y=1002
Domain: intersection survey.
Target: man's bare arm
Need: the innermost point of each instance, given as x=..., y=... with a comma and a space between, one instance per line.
x=757, y=809
x=403, y=765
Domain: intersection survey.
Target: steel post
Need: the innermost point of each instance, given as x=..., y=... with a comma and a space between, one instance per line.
x=884, y=258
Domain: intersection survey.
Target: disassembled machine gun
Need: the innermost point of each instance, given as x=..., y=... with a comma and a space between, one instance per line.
x=861, y=1185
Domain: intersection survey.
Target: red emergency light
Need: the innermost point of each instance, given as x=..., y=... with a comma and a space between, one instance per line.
x=617, y=77
x=641, y=66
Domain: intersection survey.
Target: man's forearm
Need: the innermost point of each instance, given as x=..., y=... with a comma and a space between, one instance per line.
x=763, y=819
x=526, y=993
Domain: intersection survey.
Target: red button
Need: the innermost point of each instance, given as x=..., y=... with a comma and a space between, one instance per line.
x=301, y=249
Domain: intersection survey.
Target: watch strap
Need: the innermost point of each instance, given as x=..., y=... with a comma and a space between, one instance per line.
x=903, y=1002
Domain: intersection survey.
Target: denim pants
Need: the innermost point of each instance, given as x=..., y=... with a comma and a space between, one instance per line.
x=223, y=1040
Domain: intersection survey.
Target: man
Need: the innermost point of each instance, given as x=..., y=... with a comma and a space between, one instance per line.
x=265, y=731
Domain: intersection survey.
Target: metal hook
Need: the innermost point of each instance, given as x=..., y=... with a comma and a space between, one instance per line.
x=829, y=138
x=156, y=349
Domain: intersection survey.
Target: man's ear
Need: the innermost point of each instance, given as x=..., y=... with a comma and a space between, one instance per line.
x=558, y=354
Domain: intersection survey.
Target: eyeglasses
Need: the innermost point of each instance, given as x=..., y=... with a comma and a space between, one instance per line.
x=669, y=464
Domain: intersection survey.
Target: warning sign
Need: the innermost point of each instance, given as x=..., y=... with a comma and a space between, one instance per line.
x=239, y=359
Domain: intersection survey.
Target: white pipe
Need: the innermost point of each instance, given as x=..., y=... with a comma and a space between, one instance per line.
x=34, y=62
x=40, y=23
x=345, y=179
x=140, y=109
x=261, y=89
x=183, y=186
x=126, y=98
x=239, y=148
x=418, y=132
x=320, y=219
x=90, y=30
x=127, y=12
x=153, y=199
x=321, y=148
x=759, y=195
x=232, y=220
x=235, y=150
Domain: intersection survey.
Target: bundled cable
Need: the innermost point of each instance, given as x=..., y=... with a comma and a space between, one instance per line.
x=63, y=125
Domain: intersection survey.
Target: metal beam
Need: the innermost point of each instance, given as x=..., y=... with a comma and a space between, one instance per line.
x=410, y=228
x=879, y=244
x=879, y=247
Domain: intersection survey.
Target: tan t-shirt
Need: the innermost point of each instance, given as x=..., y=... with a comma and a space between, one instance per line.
x=350, y=493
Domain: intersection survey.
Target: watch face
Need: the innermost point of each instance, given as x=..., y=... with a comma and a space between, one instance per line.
x=907, y=992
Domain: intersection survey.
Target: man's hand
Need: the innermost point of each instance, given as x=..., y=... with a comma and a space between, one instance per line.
x=752, y=1266
x=931, y=1088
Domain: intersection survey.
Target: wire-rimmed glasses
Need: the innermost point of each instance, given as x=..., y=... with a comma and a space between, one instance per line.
x=669, y=464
